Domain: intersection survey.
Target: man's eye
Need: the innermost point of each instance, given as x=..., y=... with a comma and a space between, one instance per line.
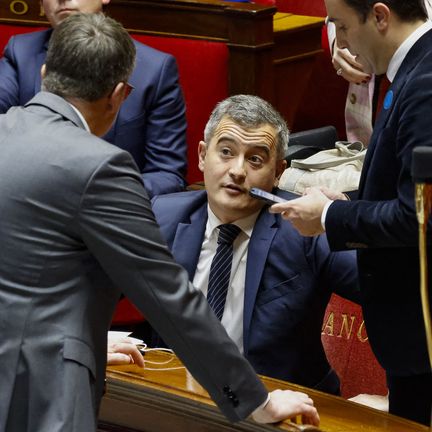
x=256, y=160
x=225, y=151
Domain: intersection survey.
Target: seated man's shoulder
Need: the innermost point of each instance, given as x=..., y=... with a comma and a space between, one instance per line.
x=178, y=200
x=31, y=40
x=147, y=52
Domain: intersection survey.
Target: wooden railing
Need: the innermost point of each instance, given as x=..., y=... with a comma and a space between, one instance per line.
x=164, y=400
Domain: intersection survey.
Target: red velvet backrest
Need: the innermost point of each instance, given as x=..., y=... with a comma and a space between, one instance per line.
x=203, y=71
x=302, y=7
x=346, y=344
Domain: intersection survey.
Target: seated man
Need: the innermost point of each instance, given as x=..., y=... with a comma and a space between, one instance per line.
x=280, y=282
x=151, y=124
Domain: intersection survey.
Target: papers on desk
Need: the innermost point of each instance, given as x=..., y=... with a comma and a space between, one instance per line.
x=118, y=336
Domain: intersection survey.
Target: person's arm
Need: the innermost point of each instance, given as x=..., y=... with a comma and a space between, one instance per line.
x=165, y=140
x=125, y=239
x=380, y=223
x=336, y=271
x=9, y=86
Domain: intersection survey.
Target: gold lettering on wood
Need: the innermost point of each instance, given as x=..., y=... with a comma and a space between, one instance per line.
x=18, y=7
x=41, y=11
x=328, y=327
x=344, y=326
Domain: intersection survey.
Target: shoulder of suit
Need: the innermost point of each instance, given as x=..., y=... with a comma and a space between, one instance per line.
x=144, y=50
x=32, y=39
x=179, y=200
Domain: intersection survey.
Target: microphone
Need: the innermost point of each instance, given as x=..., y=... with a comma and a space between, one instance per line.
x=421, y=171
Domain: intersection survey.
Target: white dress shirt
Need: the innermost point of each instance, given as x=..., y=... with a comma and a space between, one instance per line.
x=81, y=117
x=232, y=318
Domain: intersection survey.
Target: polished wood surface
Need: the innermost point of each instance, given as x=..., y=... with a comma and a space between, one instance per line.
x=155, y=399
x=271, y=58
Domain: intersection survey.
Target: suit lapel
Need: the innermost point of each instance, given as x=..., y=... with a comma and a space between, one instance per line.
x=188, y=240
x=40, y=60
x=378, y=127
x=264, y=231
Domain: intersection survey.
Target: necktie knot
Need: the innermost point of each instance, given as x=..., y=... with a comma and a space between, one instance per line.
x=228, y=233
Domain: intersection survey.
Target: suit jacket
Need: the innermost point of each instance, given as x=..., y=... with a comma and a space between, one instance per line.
x=289, y=280
x=76, y=226
x=382, y=224
x=151, y=124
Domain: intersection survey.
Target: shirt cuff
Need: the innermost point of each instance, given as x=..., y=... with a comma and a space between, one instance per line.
x=257, y=411
x=324, y=214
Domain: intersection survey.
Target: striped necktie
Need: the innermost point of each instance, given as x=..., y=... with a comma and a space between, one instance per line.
x=220, y=269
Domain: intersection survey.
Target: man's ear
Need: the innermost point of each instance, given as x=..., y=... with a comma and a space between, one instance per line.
x=105, y=2
x=43, y=71
x=381, y=14
x=202, y=152
x=118, y=95
x=280, y=168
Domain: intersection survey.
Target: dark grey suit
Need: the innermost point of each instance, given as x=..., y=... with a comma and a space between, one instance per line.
x=76, y=226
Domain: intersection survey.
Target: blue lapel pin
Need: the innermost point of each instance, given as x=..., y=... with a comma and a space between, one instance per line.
x=388, y=100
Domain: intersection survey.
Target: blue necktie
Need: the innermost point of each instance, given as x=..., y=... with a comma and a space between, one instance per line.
x=220, y=269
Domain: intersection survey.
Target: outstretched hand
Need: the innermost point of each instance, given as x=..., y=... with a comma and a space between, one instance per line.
x=287, y=404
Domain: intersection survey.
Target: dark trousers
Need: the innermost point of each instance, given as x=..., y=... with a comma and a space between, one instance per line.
x=411, y=397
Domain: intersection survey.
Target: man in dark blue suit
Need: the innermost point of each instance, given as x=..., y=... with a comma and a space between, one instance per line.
x=391, y=37
x=151, y=124
x=280, y=282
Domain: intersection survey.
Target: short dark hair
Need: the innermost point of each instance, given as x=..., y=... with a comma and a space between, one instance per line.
x=249, y=112
x=406, y=10
x=88, y=55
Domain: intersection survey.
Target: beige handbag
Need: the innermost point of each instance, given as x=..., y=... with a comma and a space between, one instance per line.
x=339, y=169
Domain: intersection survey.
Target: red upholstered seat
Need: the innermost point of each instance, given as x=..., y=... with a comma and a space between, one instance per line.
x=302, y=7
x=346, y=344
x=203, y=71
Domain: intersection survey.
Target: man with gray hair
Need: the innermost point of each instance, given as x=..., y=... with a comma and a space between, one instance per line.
x=76, y=226
x=278, y=283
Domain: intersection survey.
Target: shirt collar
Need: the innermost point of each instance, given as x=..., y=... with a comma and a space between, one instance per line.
x=246, y=224
x=402, y=51
x=81, y=117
